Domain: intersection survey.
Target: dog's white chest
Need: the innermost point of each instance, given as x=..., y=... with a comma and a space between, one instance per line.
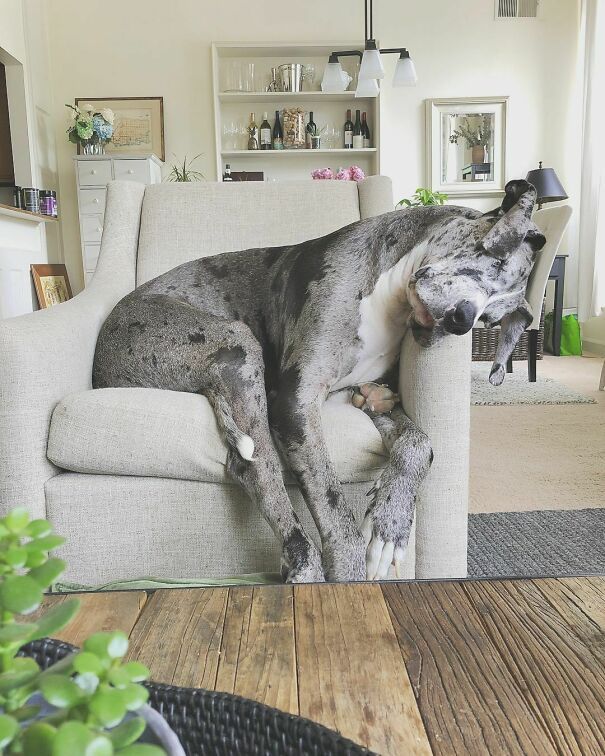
x=384, y=314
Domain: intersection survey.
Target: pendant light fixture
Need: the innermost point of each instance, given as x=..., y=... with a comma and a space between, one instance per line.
x=371, y=68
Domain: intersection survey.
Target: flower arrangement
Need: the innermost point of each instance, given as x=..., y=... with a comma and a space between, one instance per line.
x=353, y=173
x=89, y=128
x=87, y=703
x=423, y=197
x=476, y=134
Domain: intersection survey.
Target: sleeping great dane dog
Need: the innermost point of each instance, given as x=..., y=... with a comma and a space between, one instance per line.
x=267, y=334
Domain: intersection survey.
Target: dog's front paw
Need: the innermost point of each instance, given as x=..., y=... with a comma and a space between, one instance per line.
x=301, y=561
x=386, y=528
x=344, y=560
x=383, y=558
x=497, y=374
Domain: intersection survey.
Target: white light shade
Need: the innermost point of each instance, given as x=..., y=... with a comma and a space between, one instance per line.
x=332, y=79
x=371, y=65
x=367, y=88
x=405, y=73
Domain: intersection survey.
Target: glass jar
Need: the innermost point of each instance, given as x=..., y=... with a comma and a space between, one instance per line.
x=293, y=125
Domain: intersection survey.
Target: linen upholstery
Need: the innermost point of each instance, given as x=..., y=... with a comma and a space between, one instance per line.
x=127, y=525
x=167, y=434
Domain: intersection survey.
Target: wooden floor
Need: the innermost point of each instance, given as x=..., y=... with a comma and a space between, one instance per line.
x=507, y=667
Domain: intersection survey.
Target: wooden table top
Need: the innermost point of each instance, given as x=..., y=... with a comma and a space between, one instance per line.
x=466, y=667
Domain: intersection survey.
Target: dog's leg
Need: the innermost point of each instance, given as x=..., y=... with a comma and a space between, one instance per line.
x=388, y=520
x=163, y=343
x=298, y=430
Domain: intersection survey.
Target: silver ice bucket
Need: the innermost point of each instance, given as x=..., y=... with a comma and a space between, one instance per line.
x=291, y=76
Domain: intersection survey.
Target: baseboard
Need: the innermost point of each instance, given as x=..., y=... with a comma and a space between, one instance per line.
x=596, y=346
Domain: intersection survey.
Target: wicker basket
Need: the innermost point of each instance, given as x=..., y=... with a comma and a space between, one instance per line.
x=485, y=341
x=220, y=724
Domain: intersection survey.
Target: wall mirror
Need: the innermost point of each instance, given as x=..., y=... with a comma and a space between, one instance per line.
x=466, y=145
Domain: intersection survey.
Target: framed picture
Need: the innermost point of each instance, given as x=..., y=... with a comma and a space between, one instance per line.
x=138, y=128
x=52, y=284
x=466, y=146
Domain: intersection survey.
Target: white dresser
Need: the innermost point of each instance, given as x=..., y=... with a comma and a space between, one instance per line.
x=93, y=173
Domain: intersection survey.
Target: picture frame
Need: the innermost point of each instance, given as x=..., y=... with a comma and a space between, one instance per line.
x=51, y=283
x=457, y=129
x=138, y=125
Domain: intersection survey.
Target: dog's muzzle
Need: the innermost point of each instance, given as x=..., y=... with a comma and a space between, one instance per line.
x=461, y=319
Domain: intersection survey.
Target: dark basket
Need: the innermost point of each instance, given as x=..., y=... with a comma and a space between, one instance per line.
x=485, y=341
x=220, y=724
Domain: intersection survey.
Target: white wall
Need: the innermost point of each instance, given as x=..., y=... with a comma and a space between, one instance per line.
x=140, y=48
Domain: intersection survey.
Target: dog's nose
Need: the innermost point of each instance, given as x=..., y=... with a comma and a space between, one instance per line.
x=461, y=319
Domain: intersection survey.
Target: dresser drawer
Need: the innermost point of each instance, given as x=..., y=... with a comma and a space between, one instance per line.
x=92, y=201
x=94, y=172
x=132, y=170
x=92, y=227
x=91, y=257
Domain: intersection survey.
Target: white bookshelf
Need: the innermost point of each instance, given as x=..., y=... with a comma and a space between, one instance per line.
x=234, y=107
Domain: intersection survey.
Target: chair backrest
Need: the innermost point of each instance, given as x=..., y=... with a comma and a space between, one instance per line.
x=181, y=222
x=552, y=222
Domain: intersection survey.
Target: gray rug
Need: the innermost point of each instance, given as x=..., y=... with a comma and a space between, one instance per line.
x=532, y=544
x=516, y=389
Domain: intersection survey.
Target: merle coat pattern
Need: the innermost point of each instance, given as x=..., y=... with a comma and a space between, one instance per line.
x=267, y=334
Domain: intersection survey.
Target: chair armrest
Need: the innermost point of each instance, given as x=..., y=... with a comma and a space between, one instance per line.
x=48, y=354
x=375, y=196
x=434, y=384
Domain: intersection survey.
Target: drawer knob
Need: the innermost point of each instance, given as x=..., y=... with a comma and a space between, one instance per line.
x=93, y=172
x=95, y=201
x=130, y=170
x=99, y=228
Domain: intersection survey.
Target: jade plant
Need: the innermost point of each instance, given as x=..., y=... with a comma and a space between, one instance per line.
x=79, y=706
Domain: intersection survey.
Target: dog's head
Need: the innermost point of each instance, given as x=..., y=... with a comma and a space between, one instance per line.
x=476, y=268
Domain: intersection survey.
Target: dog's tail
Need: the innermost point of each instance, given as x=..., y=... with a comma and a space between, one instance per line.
x=234, y=437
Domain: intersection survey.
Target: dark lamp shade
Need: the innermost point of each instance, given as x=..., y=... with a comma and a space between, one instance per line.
x=547, y=185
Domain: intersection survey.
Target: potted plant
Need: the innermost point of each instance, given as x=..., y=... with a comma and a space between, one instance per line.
x=423, y=197
x=90, y=703
x=478, y=136
x=185, y=173
x=92, y=130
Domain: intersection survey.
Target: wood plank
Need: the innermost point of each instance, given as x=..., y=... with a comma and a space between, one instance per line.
x=351, y=673
x=265, y=669
x=548, y=647
x=588, y=594
x=178, y=635
x=98, y=612
x=469, y=700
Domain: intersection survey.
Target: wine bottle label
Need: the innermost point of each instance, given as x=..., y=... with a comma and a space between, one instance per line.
x=265, y=136
x=278, y=143
x=357, y=141
x=348, y=138
x=366, y=142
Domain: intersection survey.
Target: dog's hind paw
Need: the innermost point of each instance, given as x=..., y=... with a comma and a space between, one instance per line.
x=497, y=374
x=374, y=398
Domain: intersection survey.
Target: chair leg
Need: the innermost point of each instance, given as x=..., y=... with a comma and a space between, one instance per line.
x=533, y=354
x=602, y=381
x=509, y=365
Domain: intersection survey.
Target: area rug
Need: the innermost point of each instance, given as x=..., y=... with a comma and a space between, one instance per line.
x=531, y=544
x=516, y=389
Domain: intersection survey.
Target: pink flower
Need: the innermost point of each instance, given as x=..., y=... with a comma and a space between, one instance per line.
x=343, y=174
x=356, y=174
x=322, y=173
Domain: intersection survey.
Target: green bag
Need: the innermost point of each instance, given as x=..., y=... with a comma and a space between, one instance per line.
x=571, y=338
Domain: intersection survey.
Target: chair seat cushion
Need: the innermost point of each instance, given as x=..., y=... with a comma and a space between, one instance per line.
x=168, y=434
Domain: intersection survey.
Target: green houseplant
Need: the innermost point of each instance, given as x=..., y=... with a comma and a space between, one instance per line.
x=185, y=173
x=87, y=704
x=422, y=197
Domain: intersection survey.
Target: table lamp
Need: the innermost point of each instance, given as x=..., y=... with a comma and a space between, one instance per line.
x=547, y=185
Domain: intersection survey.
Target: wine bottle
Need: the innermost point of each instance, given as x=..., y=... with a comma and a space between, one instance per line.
x=311, y=131
x=265, y=133
x=227, y=174
x=365, y=130
x=278, y=134
x=252, y=133
x=348, y=131
x=357, y=132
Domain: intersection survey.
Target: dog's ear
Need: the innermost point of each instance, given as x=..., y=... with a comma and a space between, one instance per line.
x=511, y=228
x=512, y=326
x=535, y=239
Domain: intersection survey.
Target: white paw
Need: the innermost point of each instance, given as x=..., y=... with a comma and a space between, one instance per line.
x=383, y=560
x=497, y=375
